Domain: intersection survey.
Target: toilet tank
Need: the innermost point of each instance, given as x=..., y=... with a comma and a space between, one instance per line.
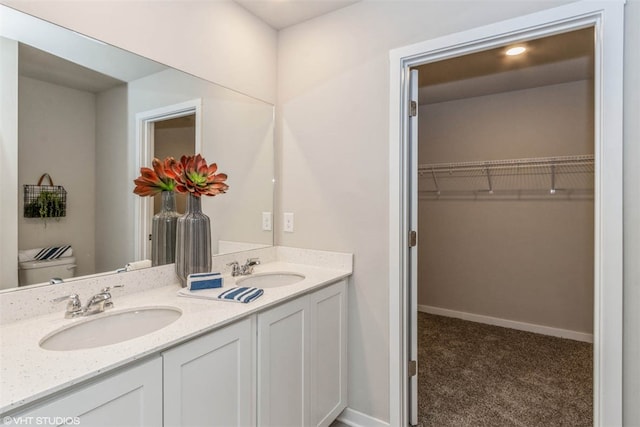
x=30, y=272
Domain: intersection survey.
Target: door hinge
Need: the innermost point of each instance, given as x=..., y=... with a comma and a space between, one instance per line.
x=413, y=109
x=413, y=238
x=413, y=368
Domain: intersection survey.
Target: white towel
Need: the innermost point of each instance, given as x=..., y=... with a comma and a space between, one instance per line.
x=51, y=252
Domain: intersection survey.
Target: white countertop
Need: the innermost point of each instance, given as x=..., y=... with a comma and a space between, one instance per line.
x=29, y=373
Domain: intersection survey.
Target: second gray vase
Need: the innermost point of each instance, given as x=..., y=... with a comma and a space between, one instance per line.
x=163, y=233
x=193, y=241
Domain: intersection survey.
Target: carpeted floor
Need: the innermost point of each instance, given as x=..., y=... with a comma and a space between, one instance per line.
x=471, y=374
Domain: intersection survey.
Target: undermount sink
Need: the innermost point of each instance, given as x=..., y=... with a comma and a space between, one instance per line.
x=110, y=328
x=270, y=280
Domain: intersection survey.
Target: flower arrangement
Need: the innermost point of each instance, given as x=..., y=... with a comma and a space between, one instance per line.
x=190, y=175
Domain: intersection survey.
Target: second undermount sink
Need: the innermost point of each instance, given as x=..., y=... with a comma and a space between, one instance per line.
x=110, y=328
x=270, y=280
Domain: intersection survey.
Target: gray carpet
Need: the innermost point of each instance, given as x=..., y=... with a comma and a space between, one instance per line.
x=471, y=374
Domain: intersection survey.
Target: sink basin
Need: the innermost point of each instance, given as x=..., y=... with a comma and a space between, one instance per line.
x=270, y=280
x=110, y=328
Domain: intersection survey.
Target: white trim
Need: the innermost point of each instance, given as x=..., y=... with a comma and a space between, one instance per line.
x=506, y=323
x=354, y=418
x=143, y=206
x=608, y=184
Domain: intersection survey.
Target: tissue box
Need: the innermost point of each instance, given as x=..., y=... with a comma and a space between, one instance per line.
x=199, y=281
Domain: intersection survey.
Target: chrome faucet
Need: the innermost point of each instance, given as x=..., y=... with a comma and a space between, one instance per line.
x=96, y=304
x=244, y=270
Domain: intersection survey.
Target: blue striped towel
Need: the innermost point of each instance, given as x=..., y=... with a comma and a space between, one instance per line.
x=241, y=294
x=39, y=254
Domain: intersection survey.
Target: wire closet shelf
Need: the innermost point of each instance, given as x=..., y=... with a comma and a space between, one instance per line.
x=570, y=176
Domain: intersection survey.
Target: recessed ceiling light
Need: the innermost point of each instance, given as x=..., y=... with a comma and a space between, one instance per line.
x=517, y=50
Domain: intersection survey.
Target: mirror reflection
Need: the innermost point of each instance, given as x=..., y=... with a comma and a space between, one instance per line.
x=90, y=115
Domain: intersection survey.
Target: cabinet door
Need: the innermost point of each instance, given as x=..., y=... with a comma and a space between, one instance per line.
x=283, y=371
x=209, y=381
x=132, y=397
x=328, y=318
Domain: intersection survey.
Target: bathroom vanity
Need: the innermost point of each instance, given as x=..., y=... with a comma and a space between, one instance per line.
x=279, y=360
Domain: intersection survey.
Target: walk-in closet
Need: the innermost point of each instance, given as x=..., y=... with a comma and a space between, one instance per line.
x=506, y=235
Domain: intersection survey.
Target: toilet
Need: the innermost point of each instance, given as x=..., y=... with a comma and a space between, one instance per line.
x=30, y=272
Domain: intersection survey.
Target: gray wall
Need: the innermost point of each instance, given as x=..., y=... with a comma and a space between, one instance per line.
x=527, y=260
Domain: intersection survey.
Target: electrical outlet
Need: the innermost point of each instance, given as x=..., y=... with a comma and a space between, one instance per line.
x=288, y=222
x=266, y=221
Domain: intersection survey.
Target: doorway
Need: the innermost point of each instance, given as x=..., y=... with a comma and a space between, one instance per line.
x=505, y=217
x=607, y=190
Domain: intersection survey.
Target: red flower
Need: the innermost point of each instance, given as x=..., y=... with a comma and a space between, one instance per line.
x=153, y=181
x=194, y=176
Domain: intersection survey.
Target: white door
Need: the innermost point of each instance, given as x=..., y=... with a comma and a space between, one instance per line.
x=209, y=381
x=328, y=353
x=283, y=371
x=412, y=295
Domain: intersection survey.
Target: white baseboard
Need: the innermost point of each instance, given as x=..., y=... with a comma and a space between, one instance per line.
x=353, y=418
x=521, y=326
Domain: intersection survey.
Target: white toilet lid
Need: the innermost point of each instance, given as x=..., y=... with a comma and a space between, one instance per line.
x=27, y=265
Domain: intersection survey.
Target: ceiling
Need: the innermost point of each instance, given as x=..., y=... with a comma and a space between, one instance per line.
x=280, y=14
x=40, y=65
x=550, y=60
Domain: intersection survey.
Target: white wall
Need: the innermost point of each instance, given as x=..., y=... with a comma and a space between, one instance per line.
x=9, y=162
x=216, y=40
x=114, y=221
x=631, y=361
x=521, y=259
x=56, y=133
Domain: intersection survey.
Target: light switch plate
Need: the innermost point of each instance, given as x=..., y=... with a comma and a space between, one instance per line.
x=288, y=222
x=266, y=221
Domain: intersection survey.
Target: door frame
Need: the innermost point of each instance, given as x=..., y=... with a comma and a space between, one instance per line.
x=608, y=185
x=145, y=121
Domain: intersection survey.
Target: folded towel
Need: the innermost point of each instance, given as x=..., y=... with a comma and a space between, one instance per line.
x=241, y=294
x=215, y=294
x=51, y=252
x=199, y=281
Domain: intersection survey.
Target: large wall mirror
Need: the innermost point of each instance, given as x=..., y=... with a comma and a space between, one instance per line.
x=90, y=115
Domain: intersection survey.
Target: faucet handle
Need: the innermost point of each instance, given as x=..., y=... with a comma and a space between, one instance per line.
x=235, y=268
x=73, y=298
x=252, y=261
x=74, y=305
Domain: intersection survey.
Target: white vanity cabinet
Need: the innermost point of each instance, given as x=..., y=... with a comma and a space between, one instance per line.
x=302, y=360
x=283, y=366
x=131, y=397
x=209, y=381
